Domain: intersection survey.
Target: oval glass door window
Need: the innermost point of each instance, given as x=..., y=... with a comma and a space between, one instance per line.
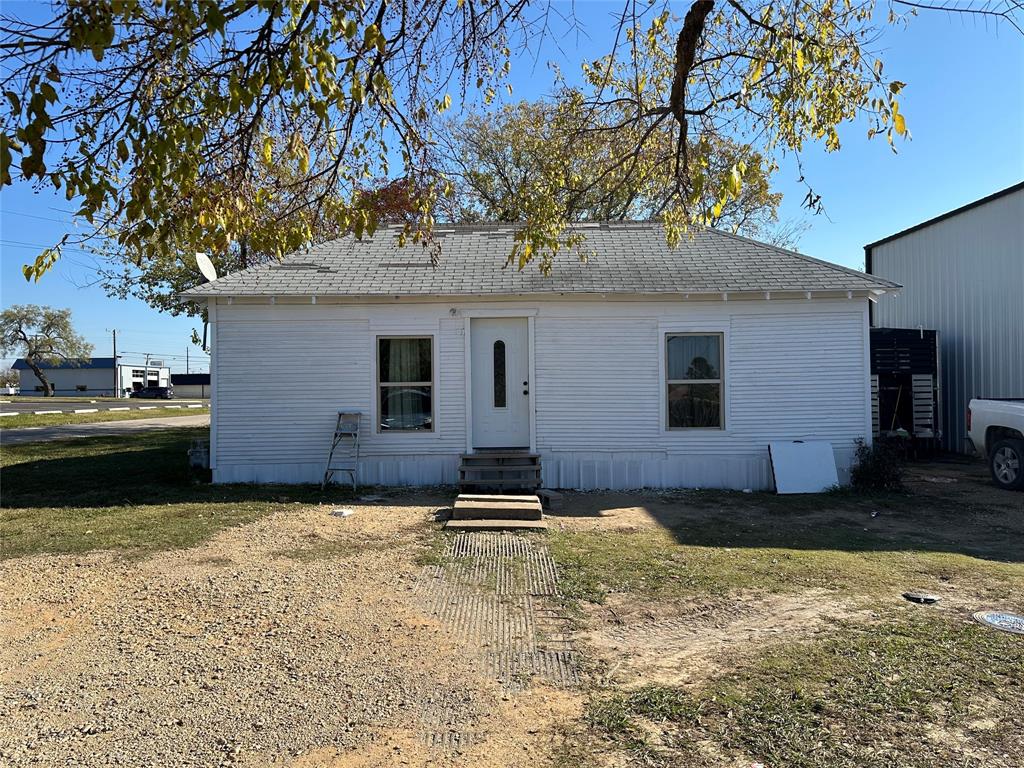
x=499, y=374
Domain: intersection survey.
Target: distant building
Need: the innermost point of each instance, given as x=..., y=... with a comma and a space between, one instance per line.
x=191, y=384
x=91, y=377
x=962, y=275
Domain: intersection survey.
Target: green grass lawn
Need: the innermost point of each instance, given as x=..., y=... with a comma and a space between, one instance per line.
x=42, y=399
x=132, y=493
x=61, y=419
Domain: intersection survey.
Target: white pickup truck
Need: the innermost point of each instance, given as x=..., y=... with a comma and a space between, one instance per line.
x=996, y=427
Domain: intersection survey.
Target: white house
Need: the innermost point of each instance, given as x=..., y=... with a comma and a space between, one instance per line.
x=643, y=366
x=91, y=377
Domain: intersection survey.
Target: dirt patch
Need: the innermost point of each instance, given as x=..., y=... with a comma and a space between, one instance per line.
x=950, y=505
x=688, y=644
x=298, y=640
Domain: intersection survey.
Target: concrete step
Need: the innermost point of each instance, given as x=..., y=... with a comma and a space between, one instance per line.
x=475, y=509
x=496, y=525
x=527, y=497
x=550, y=499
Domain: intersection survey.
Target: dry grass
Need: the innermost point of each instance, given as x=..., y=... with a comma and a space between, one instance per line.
x=912, y=690
x=870, y=681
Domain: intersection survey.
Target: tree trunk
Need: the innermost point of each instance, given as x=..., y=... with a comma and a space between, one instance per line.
x=686, y=52
x=41, y=376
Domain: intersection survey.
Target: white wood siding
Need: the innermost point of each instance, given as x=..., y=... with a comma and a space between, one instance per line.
x=306, y=370
x=788, y=375
x=790, y=370
x=597, y=383
x=793, y=369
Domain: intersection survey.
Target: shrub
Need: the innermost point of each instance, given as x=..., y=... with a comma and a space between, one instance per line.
x=877, y=467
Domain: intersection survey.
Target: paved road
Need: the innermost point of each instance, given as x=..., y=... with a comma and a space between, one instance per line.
x=68, y=431
x=68, y=405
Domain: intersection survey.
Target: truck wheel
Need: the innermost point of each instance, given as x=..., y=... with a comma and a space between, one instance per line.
x=1006, y=460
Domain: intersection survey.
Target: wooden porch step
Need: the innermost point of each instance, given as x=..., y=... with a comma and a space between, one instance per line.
x=496, y=525
x=522, y=482
x=488, y=455
x=499, y=468
x=480, y=507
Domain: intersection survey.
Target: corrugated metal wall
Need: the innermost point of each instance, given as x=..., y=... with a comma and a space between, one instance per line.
x=964, y=277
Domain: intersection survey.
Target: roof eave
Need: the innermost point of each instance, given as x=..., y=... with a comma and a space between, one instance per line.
x=697, y=295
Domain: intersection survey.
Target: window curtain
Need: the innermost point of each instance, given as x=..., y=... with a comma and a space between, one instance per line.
x=404, y=360
x=693, y=357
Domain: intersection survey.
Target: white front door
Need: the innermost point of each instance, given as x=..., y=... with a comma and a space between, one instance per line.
x=500, y=361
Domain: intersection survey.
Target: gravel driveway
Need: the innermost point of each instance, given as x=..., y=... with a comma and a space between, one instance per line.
x=298, y=640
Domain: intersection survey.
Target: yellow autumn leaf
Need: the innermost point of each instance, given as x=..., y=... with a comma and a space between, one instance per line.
x=899, y=124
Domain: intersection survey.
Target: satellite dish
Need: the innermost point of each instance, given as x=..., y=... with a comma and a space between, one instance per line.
x=206, y=266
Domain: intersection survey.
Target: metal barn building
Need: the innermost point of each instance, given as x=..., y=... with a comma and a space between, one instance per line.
x=962, y=275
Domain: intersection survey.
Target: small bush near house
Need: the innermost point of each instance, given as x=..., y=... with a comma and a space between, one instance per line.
x=877, y=467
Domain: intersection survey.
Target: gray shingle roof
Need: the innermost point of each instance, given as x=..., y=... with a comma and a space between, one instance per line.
x=621, y=257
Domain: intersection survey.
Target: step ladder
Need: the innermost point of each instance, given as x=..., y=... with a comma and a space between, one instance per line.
x=344, y=454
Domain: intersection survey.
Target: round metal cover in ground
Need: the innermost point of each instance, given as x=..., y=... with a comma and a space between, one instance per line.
x=1007, y=622
x=927, y=598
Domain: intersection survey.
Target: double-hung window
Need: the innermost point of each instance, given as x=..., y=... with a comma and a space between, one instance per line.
x=405, y=384
x=693, y=366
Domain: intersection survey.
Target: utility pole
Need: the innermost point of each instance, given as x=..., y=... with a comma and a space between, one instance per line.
x=117, y=368
x=186, y=358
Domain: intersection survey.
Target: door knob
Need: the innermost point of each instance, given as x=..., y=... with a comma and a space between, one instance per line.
x=526, y=387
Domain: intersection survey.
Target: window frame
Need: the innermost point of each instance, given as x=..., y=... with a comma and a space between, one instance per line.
x=720, y=381
x=379, y=385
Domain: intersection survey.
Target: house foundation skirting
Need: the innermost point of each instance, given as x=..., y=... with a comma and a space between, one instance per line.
x=580, y=470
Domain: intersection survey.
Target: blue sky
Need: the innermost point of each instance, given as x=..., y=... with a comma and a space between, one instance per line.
x=964, y=105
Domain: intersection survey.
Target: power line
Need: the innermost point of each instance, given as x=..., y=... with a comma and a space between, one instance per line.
x=8, y=212
x=156, y=354
x=33, y=246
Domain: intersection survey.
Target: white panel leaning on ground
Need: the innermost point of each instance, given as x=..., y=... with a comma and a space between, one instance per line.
x=647, y=366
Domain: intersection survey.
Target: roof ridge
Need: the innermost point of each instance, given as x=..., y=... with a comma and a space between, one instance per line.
x=626, y=257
